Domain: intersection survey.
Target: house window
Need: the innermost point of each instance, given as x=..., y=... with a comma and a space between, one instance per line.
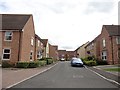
x=31, y=54
x=104, y=55
x=38, y=55
x=118, y=40
x=104, y=42
x=32, y=41
x=118, y=53
x=38, y=43
x=8, y=36
x=6, y=54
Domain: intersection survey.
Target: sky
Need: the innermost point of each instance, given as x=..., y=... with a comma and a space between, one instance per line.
x=66, y=23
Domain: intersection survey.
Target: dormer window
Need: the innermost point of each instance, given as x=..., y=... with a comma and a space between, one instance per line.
x=8, y=36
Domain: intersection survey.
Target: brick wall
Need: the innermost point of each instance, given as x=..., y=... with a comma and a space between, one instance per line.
x=13, y=45
x=26, y=47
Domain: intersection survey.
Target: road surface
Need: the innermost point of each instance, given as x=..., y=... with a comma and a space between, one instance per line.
x=65, y=76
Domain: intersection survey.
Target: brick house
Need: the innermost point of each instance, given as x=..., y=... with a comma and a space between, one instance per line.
x=93, y=48
x=62, y=54
x=70, y=54
x=53, y=51
x=81, y=50
x=17, y=33
x=106, y=46
x=38, y=47
x=110, y=43
x=66, y=54
x=46, y=47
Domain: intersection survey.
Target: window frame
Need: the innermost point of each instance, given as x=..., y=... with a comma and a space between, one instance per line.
x=104, y=56
x=103, y=42
x=118, y=40
x=32, y=41
x=5, y=39
x=6, y=53
x=31, y=59
x=39, y=55
x=38, y=43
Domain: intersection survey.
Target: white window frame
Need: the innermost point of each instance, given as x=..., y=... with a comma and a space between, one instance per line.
x=31, y=59
x=118, y=40
x=104, y=42
x=8, y=35
x=103, y=55
x=32, y=41
x=39, y=54
x=6, y=53
x=38, y=43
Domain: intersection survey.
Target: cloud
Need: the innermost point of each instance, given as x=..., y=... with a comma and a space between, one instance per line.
x=66, y=23
x=3, y=7
x=101, y=7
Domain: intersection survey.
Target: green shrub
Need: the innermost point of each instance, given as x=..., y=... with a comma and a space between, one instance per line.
x=22, y=64
x=33, y=64
x=101, y=62
x=49, y=61
x=42, y=63
x=90, y=63
x=6, y=64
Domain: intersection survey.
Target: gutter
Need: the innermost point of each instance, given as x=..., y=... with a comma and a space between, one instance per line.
x=19, y=45
x=112, y=50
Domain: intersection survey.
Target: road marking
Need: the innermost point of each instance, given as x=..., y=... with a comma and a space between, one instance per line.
x=103, y=76
x=31, y=76
x=78, y=76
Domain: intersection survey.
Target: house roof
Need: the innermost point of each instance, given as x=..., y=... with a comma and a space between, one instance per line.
x=36, y=36
x=112, y=29
x=83, y=45
x=14, y=21
x=44, y=41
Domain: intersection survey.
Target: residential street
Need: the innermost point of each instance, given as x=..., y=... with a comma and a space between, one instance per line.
x=65, y=76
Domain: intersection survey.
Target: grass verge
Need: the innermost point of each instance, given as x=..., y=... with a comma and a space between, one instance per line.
x=113, y=69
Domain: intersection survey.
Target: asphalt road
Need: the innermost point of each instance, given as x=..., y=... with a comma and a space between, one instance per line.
x=65, y=76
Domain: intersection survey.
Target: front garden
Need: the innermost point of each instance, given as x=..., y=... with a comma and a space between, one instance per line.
x=31, y=64
x=92, y=61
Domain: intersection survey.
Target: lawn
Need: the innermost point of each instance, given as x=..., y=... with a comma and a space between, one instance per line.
x=113, y=69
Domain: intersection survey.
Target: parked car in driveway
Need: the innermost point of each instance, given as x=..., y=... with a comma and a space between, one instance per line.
x=77, y=62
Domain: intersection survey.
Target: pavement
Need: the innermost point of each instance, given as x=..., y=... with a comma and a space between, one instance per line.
x=112, y=75
x=13, y=76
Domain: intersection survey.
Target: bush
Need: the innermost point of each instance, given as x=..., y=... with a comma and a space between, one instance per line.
x=33, y=64
x=6, y=64
x=42, y=63
x=49, y=61
x=90, y=63
x=101, y=62
x=22, y=64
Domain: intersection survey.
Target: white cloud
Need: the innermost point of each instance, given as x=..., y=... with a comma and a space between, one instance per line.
x=65, y=22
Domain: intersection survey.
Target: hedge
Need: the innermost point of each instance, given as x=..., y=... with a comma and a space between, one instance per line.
x=42, y=63
x=22, y=64
x=90, y=63
x=101, y=62
x=33, y=64
x=6, y=64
